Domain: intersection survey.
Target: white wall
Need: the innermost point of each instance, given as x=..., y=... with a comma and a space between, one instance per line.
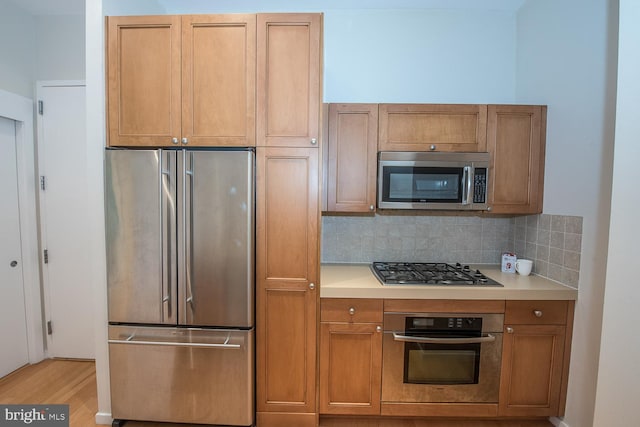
x=38, y=48
x=17, y=50
x=60, y=47
x=564, y=59
x=95, y=84
x=619, y=376
x=421, y=56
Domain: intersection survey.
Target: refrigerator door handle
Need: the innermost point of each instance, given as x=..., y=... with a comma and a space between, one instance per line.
x=167, y=220
x=189, y=172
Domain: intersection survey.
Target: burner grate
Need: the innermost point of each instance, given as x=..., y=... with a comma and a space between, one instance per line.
x=406, y=273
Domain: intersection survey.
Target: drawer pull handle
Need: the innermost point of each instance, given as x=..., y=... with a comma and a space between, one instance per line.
x=509, y=330
x=537, y=313
x=352, y=311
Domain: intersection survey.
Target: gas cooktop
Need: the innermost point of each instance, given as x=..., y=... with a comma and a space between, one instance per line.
x=428, y=273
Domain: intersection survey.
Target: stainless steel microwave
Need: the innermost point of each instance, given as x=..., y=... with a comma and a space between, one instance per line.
x=427, y=180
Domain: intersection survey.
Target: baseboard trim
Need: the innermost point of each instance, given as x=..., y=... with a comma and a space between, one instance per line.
x=104, y=418
x=557, y=422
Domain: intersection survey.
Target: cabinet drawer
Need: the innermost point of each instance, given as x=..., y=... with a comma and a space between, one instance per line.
x=350, y=310
x=536, y=312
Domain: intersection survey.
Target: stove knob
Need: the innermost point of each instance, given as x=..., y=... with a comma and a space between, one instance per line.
x=458, y=266
x=466, y=268
x=477, y=273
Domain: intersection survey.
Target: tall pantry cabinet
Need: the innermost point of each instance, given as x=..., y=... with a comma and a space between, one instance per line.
x=288, y=217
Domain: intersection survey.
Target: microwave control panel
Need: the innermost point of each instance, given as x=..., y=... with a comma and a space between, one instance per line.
x=480, y=185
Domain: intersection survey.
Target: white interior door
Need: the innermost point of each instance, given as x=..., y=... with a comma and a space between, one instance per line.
x=69, y=297
x=14, y=352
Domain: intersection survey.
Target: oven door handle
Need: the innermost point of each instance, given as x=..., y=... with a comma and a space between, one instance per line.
x=430, y=340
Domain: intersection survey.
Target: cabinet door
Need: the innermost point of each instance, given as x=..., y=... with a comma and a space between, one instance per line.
x=516, y=141
x=143, y=67
x=432, y=127
x=289, y=79
x=287, y=276
x=353, y=146
x=218, y=79
x=531, y=378
x=350, y=368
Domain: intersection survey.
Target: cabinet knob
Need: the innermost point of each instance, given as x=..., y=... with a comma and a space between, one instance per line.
x=432, y=147
x=312, y=286
x=314, y=141
x=174, y=140
x=509, y=330
x=537, y=313
x=371, y=207
x=352, y=311
x=488, y=208
x=185, y=141
x=378, y=328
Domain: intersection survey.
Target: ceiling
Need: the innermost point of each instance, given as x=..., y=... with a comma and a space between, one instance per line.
x=50, y=7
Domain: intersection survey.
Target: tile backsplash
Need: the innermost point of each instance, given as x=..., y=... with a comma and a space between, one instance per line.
x=553, y=242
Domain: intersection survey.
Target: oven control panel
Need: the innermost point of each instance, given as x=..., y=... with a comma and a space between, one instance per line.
x=419, y=324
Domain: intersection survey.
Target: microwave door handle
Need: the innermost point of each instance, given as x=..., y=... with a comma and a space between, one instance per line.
x=431, y=340
x=466, y=185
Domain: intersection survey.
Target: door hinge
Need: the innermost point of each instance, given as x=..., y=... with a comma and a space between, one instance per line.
x=49, y=328
x=40, y=107
x=46, y=256
x=42, y=182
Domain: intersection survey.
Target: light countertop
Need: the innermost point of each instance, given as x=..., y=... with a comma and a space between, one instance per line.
x=358, y=281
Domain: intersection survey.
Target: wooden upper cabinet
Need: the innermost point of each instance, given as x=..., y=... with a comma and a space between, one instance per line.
x=352, y=160
x=182, y=80
x=218, y=79
x=516, y=137
x=432, y=127
x=289, y=79
x=143, y=67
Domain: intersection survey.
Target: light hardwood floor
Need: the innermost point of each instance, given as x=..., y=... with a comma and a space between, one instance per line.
x=73, y=382
x=55, y=381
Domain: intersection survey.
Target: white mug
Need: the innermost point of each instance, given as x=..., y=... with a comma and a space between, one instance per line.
x=524, y=266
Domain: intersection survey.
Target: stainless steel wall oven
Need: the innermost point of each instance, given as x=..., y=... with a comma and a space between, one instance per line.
x=441, y=357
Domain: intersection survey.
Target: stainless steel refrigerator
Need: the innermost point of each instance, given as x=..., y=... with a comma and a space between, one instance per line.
x=180, y=273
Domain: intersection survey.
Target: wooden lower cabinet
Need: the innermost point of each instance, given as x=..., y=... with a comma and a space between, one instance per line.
x=532, y=363
x=535, y=358
x=350, y=357
x=534, y=370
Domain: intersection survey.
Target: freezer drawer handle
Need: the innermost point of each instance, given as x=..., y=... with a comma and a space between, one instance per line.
x=474, y=340
x=174, y=344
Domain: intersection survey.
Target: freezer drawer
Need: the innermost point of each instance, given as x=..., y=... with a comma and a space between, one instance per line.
x=182, y=375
